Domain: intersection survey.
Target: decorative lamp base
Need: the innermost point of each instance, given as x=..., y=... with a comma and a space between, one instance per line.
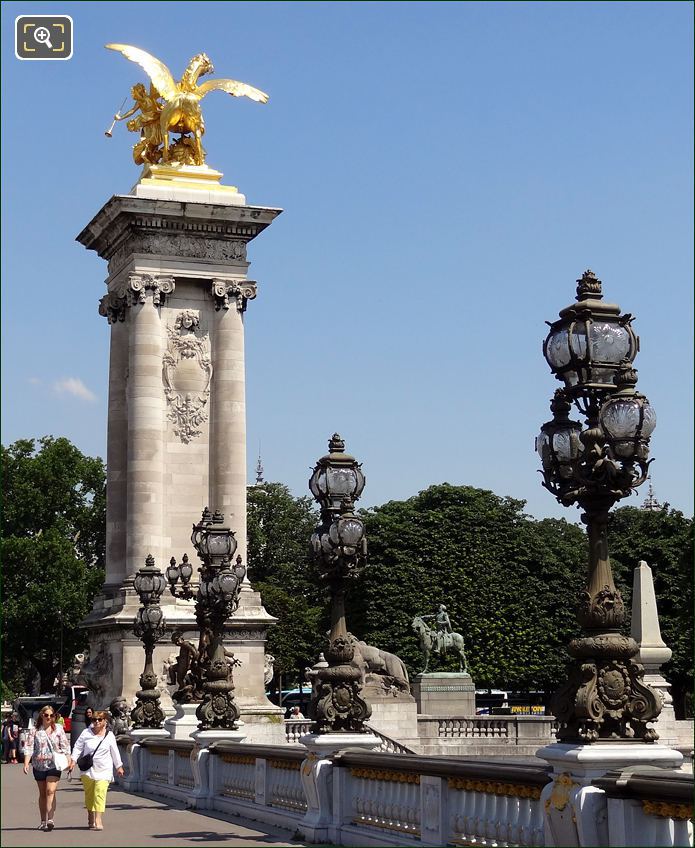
x=184, y=723
x=605, y=697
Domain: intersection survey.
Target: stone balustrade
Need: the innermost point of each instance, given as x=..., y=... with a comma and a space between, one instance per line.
x=378, y=798
x=295, y=728
x=649, y=807
x=434, y=801
x=468, y=736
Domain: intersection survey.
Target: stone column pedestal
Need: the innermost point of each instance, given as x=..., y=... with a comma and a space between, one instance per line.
x=444, y=693
x=184, y=723
x=199, y=799
x=394, y=716
x=575, y=811
x=317, y=779
x=134, y=779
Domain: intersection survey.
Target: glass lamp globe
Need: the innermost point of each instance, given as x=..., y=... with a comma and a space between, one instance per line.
x=336, y=476
x=347, y=531
x=149, y=582
x=628, y=419
x=585, y=347
x=558, y=444
x=212, y=539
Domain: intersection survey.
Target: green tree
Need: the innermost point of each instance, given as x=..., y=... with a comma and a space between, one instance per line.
x=509, y=582
x=279, y=527
x=664, y=539
x=53, y=544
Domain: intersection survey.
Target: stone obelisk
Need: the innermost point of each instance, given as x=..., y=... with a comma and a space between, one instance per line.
x=176, y=292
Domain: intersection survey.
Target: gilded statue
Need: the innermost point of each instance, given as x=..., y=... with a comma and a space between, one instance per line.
x=173, y=107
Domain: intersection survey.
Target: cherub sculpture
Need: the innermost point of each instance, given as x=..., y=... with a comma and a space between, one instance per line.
x=180, y=111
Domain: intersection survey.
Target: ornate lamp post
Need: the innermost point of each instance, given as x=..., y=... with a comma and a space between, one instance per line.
x=590, y=349
x=216, y=599
x=340, y=547
x=149, y=584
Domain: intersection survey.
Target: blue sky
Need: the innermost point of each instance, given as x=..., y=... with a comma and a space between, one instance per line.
x=447, y=171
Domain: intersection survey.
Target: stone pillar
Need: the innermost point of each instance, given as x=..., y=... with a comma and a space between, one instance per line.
x=228, y=406
x=574, y=809
x=113, y=308
x=653, y=651
x=176, y=291
x=323, y=813
x=146, y=422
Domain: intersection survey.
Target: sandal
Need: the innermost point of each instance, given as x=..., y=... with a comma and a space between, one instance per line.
x=50, y=824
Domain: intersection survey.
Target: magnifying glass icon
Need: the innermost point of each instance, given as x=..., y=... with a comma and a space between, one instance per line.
x=43, y=36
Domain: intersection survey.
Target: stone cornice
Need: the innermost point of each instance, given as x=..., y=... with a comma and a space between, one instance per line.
x=141, y=221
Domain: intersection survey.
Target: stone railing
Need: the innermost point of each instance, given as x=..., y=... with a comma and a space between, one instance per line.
x=162, y=767
x=484, y=735
x=389, y=745
x=261, y=782
x=648, y=807
x=295, y=728
x=432, y=801
x=360, y=797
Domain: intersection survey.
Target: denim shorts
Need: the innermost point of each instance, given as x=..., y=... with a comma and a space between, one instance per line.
x=42, y=775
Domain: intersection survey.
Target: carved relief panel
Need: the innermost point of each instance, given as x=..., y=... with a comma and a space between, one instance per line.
x=187, y=372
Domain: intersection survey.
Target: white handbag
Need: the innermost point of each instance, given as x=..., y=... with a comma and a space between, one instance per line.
x=60, y=760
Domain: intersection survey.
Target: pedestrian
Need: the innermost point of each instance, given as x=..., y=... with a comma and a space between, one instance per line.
x=88, y=716
x=6, y=739
x=295, y=712
x=99, y=742
x=44, y=741
x=13, y=738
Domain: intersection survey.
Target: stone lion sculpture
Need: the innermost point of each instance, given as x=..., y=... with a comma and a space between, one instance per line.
x=380, y=668
x=119, y=713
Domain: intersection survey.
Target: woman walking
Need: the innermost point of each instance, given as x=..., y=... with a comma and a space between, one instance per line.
x=43, y=742
x=99, y=742
x=10, y=735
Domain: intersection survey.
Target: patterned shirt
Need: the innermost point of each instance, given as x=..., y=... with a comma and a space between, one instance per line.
x=40, y=741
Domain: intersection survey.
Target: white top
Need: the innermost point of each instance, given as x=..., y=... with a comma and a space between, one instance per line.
x=106, y=758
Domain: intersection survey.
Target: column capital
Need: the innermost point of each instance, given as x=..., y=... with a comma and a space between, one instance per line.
x=141, y=286
x=138, y=288
x=112, y=307
x=241, y=290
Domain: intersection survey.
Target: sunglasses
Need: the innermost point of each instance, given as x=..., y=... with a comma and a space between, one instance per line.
x=98, y=719
x=48, y=715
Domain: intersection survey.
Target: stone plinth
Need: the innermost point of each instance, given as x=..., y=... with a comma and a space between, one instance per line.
x=394, y=715
x=653, y=651
x=574, y=808
x=444, y=693
x=176, y=292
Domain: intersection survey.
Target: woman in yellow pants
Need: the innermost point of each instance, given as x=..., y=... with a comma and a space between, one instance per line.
x=100, y=742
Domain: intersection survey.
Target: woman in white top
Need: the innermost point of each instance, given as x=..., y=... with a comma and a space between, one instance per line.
x=100, y=742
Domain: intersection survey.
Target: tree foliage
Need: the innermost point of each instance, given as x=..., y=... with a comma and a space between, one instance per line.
x=53, y=545
x=508, y=582
x=279, y=527
x=664, y=539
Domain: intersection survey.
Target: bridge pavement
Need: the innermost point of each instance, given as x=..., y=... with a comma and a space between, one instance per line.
x=129, y=820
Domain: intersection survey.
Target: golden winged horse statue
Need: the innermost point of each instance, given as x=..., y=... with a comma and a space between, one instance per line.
x=180, y=111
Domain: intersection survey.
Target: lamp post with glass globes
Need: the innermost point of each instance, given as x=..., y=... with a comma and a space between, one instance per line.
x=216, y=600
x=339, y=546
x=149, y=584
x=590, y=348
